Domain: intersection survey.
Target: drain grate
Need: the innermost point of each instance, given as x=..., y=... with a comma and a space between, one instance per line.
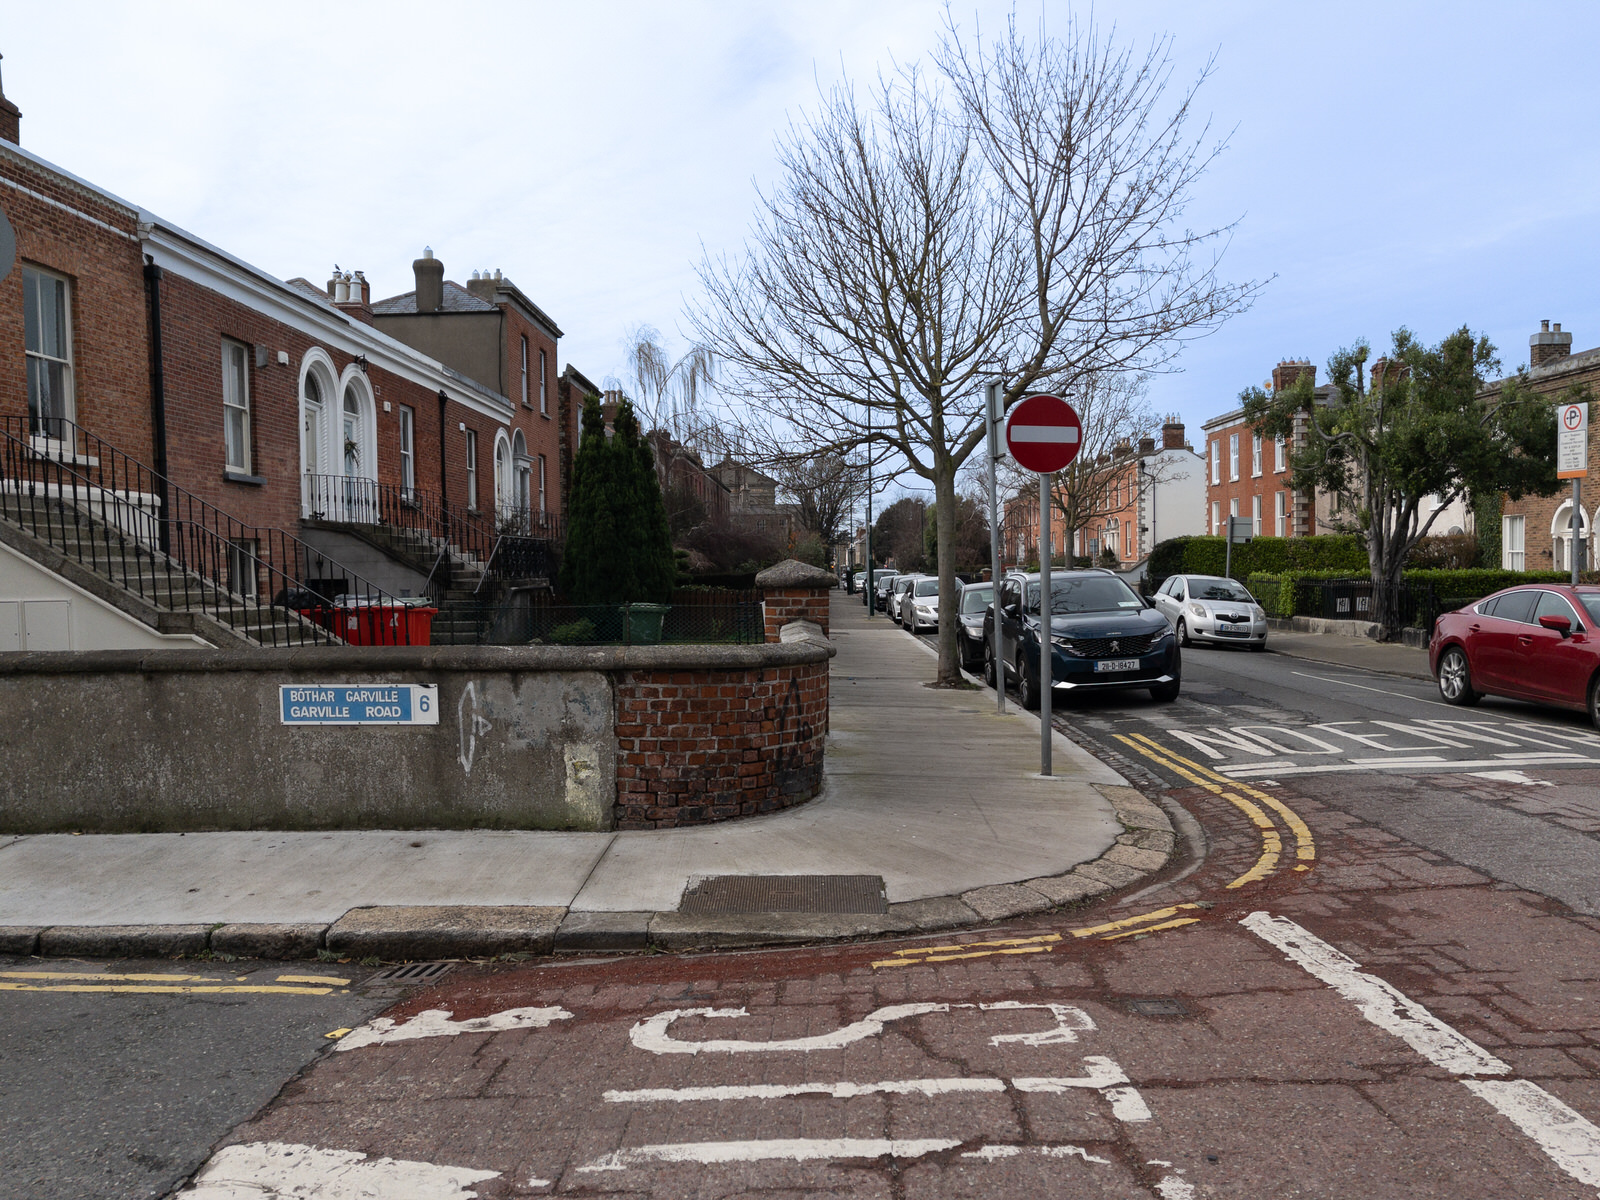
x=1158, y=1006
x=730, y=894
x=407, y=974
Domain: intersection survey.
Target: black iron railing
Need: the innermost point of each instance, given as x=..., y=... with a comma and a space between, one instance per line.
x=713, y=616
x=117, y=517
x=1415, y=605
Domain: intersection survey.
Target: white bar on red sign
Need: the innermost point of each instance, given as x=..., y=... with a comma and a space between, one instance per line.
x=1043, y=433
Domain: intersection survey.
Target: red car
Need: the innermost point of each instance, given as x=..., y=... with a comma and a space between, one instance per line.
x=1538, y=642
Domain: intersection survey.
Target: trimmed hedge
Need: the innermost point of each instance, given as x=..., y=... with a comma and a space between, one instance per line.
x=1341, y=552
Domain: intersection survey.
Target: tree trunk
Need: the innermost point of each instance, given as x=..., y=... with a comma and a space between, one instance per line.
x=944, y=496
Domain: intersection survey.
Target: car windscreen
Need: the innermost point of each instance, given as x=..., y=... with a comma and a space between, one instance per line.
x=1086, y=594
x=1219, y=589
x=927, y=587
x=974, y=600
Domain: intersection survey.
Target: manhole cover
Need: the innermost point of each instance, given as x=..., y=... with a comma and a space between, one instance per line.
x=407, y=974
x=1158, y=1006
x=723, y=894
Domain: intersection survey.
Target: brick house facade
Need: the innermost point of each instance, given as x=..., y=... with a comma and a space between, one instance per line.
x=1248, y=476
x=1535, y=531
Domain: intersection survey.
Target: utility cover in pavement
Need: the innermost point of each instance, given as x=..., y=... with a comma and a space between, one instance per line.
x=724, y=894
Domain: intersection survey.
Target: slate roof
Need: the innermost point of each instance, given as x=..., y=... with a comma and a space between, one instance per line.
x=456, y=299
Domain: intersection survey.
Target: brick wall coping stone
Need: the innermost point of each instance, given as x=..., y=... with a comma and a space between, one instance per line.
x=422, y=658
x=792, y=573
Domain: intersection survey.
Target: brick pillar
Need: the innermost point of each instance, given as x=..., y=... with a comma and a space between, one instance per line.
x=794, y=591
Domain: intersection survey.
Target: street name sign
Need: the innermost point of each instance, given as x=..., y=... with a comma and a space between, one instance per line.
x=1043, y=433
x=358, y=704
x=1572, y=441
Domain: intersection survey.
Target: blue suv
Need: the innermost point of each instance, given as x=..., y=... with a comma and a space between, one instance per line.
x=1104, y=635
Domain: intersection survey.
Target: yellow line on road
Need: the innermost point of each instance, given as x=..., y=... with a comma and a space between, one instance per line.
x=333, y=979
x=1271, y=845
x=1111, y=926
x=1153, y=928
x=949, y=953
x=148, y=989
x=114, y=975
x=1305, y=846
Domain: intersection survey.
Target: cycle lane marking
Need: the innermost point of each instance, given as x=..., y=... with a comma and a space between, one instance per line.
x=1569, y=1139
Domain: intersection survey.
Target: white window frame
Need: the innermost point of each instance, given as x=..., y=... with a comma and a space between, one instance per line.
x=236, y=406
x=1255, y=458
x=1216, y=518
x=525, y=401
x=1216, y=460
x=544, y=390
x=472, y=470
x=1513, y=542
x=1281, y=514
x=1278, y=455
x=1233, y=507
x=408, y=449
x=543, y=507
x=1233, y=457
x=32, y=277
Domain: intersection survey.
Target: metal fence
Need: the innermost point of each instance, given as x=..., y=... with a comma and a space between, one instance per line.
x=1415, y=605
x=705, y=616
x=120, y=519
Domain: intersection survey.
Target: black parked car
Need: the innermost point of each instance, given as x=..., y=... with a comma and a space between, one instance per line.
x=882, y=585
x=972, y=610
x=1104, y=635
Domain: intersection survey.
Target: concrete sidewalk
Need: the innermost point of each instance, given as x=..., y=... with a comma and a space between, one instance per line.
x=1388, y=658
x=930, y=790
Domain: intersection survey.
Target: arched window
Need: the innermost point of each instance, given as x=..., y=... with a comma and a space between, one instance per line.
x=1561, y=537
x=357, y=455
x=320, y=495
x=522, y=465
x=504, y=479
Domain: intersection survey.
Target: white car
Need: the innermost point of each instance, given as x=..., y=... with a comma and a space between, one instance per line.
x=1211, y=609
x=897, y=594
x=920, y=608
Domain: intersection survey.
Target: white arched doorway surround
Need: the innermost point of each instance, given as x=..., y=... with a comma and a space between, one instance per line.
x=504, y=477
x=319, y=397
x=1561, y=537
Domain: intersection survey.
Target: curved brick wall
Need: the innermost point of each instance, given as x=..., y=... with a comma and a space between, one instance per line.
x=697, y=746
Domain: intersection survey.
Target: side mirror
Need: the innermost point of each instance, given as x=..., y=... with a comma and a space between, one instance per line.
x=1559, y=623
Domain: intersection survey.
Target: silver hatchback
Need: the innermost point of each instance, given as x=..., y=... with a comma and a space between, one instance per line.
x=1214, y=610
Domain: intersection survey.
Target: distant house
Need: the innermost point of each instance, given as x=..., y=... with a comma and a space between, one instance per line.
x=753, y=501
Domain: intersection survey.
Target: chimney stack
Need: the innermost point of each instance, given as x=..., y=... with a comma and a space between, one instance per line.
x=352, y=294
x=1147, y=446
x=10, y=119
x=430, y=281
x=1548, y=344
x=1172, y=435
x=1289, y=370
x=483, y=285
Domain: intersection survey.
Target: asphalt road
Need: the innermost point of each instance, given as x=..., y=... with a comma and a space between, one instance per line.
x=116, y=1078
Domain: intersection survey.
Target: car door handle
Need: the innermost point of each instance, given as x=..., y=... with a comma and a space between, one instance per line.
x=1524, y=639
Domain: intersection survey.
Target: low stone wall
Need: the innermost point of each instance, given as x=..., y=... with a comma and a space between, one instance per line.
x=528, y=738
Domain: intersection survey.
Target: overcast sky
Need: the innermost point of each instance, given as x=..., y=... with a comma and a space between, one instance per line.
x=1390, y=163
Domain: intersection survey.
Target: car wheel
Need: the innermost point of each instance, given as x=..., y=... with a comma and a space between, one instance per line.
x=1165, y=693
x=1183, y=632
x=1455, y=680
x=989, y=673
x=1258, y=646
x=1594, y=702
x=1027, y=686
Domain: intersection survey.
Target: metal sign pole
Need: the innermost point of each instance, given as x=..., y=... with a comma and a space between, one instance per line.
x=872, y=598
x=992, y=415
x=1577, y=531
x=1227, y=554
x=1046, y=644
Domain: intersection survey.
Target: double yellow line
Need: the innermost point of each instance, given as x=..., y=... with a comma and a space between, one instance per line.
x=1229, y=789
x=165, y=984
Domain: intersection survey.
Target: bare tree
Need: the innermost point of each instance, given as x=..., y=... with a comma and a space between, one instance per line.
x=1016, y=217
x=668, y=394
x=825, y=489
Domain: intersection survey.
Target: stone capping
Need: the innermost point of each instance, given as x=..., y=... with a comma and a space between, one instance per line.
x=792, y=573
x=609, y=659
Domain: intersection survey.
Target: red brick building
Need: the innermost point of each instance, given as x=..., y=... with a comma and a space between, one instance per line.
x=1248, y=476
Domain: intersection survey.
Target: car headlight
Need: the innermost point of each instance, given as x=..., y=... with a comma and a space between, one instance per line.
x=1258, y=612
x=1198, y=610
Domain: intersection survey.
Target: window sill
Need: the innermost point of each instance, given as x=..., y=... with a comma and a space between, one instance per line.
x=241, y=477
x=545, y=415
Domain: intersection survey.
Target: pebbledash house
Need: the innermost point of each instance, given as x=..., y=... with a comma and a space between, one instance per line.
x=195, y=452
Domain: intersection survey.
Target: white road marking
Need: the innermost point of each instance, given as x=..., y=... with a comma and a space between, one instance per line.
x=1438, y=766
x=274, y=1170
x=1570, y=1139
x=436, y=1022
x=1365, y=688
x=1102, y=1073
x=1128, y=1105
x=839, y=1091
x=651, y=1033
x=992, y=1152
x=793, y=1149
x=1171, y=1187
x=1511, y=777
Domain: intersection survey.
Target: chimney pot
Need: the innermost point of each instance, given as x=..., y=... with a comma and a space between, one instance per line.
x=1558, y=326
x=341, y=290
x=1544, y=327
x=427, y=252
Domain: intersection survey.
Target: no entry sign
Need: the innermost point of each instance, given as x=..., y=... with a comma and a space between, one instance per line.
x=1043, y=433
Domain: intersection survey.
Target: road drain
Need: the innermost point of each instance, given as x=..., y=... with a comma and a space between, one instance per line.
x=731, y=894
x=407, y=974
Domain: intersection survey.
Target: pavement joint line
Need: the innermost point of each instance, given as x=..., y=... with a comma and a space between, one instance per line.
x=1305, y=844
x=1270, y=850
